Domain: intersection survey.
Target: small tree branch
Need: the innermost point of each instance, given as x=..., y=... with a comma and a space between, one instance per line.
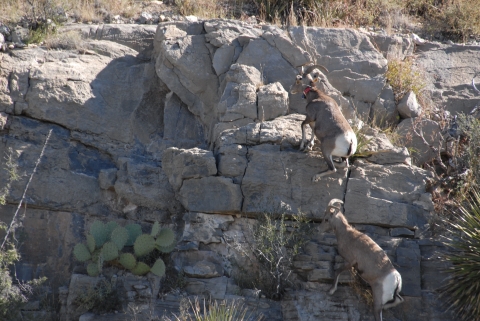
x=25, y=191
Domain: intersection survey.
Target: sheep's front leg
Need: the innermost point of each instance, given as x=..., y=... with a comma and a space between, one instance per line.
x=345, y=267
x=312, y=138
x=306, y=122
x=302, y=144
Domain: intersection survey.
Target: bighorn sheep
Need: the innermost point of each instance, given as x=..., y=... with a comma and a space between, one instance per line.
x=372, y=264
x=326, y=120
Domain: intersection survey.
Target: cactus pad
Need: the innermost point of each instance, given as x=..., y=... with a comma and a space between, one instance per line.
x=158, y=268
x=110, y=226
x=109, y=251
x=143, y=245
x=127, y=260
x=165, y=237
x=81, y=252
x=92, y=269
x=155, y=229
x=91, y=243
x=134, y=230
x=99, y=232
x=119, y=236
x=166, y=249
x=141, y=269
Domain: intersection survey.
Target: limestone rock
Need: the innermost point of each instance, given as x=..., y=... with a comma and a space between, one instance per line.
x=411, y=130
x=390, y=200
x=211, y=194
x=107, y=178
x=408, y=106
x=448, y=83
x=203, y=270
x=393, y=47
x=205, y=228
x=181, y=128
x=182, y=164
x=145, y=185
x=352, y=49
x=232, y=161
x=272, y=101
x=277, y=180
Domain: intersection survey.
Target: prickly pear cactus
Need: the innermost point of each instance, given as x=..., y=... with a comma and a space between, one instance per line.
x=134, y=231
x=99, y=232
x=92, y=269
x=82, y=253
x=119, y=236
x=166, y=249
x=165, y=237
x=109, y=251
x=141, y=269
x=143, y=245
x=128, y=261
x=110, y=226
x=91, y=243
x=158, y=268
x=155, y=229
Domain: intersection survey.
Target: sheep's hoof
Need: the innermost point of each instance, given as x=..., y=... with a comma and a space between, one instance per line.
x=316, y=178
x=331, y=291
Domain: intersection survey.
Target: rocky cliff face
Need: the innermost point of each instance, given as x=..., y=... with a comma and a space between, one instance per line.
x=191, y=124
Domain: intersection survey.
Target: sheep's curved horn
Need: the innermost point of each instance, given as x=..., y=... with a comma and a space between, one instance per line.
x=333, y=202
x=313, y=67
x=302, y=67
x=473, y=84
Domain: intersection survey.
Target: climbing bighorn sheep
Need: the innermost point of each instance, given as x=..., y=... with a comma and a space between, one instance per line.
x=326, y=120
x=372, y=264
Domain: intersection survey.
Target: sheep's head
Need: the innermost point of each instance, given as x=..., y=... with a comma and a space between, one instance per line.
x=333, y=208
x=307, y=77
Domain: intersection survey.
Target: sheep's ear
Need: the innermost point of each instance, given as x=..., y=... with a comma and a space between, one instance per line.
x=315, y=79
x=332, y=210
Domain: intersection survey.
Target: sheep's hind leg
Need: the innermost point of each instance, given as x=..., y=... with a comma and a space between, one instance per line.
x=343, y=163
x=331, y=168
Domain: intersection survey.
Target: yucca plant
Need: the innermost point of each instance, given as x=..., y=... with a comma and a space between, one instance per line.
x=234, y=310
x=463, y=286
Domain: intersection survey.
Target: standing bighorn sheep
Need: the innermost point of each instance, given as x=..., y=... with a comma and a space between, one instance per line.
x=372, y=264
x=326, y=120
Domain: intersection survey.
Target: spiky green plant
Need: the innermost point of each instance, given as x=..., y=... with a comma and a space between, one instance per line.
x=158, y=268
x=109, y=251
x=165, y=237
x=92, y=269
x=99, y=232
x=127, y=260
x=134, y=231
x=155, y=229
x=166, y=249
x=213, y=310
x=144, y=244
x=81, y=252
x=141, y=269
x=91, y=243
x=119, y=236
x=463, y=286
x=110, y=226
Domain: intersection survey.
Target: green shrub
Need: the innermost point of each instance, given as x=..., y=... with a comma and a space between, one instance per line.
x=462, y=288
x=101, y=298
x=276, y=241
x=404, y=77
x=468, y=154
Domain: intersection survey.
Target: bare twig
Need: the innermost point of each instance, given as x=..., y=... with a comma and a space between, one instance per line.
x=25, y=190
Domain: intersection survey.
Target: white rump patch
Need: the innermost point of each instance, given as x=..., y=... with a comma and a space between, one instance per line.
x=342, y=144
x=389, y=284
